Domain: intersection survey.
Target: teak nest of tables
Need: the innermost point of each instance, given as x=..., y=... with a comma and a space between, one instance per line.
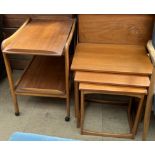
x=111, y=58
x=48, y=72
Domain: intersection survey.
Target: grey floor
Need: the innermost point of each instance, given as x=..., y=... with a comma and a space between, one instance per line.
x=46, y=116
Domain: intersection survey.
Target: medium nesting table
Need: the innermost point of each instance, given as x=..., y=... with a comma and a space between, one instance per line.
x=112, y=84
x=48, y=72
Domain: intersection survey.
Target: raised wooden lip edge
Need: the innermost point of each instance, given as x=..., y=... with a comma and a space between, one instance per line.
x=9, y=39
x=51, y=53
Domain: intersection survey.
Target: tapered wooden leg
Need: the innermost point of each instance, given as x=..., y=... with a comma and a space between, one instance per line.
x=131, y=116
x=76, y=98
x=148, y=106
x=82, y=112
x=77, y=104
x=67, y=118
x=11, y=83
x=143, y=109
x=135, y=125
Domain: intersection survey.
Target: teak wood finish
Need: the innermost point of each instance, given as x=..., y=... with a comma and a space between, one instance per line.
x=93, y=88
x=45, y=75
x=113, y=79
x=115, y=29
x=92, y=79
x=112, y=45
x=111, y=58
x=41, y=86
x=106, y=88
x=11, y=22
x=130, y=83
x=41, y=37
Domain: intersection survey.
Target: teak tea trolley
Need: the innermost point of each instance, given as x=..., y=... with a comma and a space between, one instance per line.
x=112, y=61
x=48, y=72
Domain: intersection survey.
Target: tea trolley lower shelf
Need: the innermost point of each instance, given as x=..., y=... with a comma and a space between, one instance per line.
x=44, y=76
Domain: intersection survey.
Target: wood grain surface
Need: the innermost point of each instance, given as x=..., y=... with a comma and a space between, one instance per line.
x=112, y=89
x=115, y=29
x=41, y=37
x=111, y=58
x=45, y=75
x=112, y=79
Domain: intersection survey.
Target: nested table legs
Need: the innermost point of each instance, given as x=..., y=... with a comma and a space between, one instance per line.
x=138, y=114
x=11, y=83
x=148, y=106
x=77, y=104
x=67, y=118
x=126, y=135
x=82, y=112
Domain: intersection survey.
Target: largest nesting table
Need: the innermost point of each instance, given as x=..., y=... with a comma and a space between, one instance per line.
x=110, y=69
x=48, y=72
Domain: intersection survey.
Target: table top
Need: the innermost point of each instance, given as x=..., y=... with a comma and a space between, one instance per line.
x=111, y=89
x=41, y=37
x=112, y=79
x=112, y=58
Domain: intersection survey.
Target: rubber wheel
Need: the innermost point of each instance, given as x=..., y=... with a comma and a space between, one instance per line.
x=17, y=113
x=67, y=118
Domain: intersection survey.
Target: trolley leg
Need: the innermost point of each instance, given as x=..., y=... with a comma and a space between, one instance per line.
x=67, y=69
x=67, y=118
x=11, y=83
